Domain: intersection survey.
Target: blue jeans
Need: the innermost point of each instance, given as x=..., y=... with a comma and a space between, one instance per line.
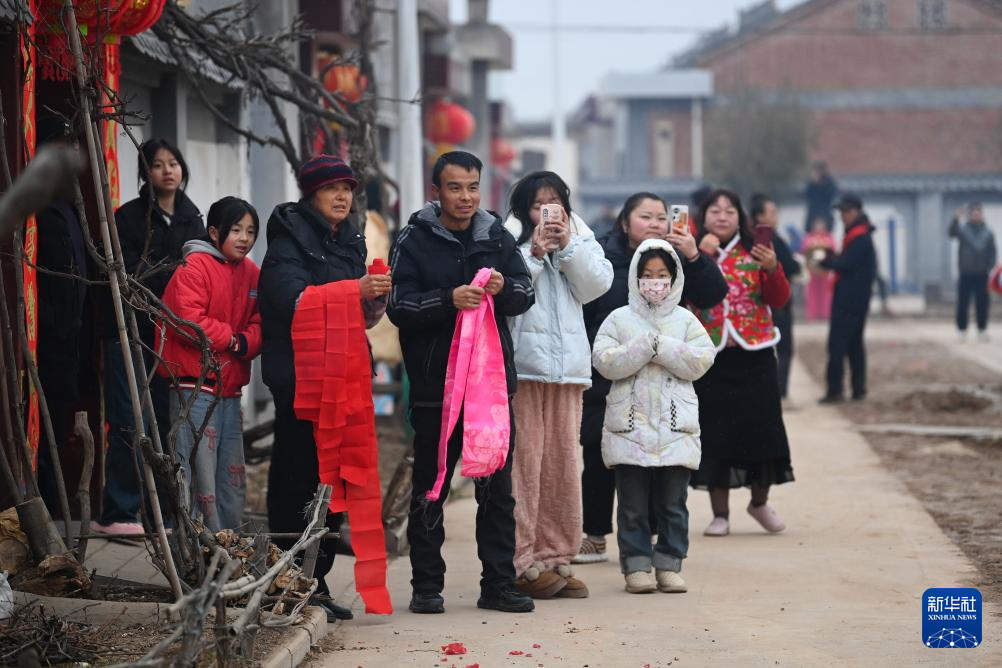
x=220, y=486
x=665, y=488
x=122, y=488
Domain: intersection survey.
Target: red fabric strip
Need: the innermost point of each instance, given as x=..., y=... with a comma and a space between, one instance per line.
x=334, y=392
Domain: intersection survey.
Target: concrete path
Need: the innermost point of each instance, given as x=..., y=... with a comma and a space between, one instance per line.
x=842, y=586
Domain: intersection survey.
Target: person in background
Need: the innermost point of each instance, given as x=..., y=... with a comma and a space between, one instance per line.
x=553, y=360
x=855, y=272
x=740, y=411
x=61, y=249
x=652, y=350
x=697, y=199
x=215, y=288
x=434, y=259
x=644, y=216
x=819, y=194
x=763, y=211
x=976, y=257
x=816, y=246
x=153, y=229
x=310, y=242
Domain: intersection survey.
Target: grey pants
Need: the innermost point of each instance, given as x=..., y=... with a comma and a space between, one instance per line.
x=665, y=488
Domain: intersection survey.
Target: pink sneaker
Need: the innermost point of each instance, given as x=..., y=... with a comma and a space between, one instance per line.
x=119, y=528
x=767, y=517
x=718, y=527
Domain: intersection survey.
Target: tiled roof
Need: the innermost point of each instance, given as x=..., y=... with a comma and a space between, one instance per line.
x=11, y=9
x=154, y=48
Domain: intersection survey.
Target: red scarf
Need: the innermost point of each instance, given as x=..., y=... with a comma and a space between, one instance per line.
x=854, y=232
x=334, y=392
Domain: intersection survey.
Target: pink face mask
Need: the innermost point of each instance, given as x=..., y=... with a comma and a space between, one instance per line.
x=655, y=290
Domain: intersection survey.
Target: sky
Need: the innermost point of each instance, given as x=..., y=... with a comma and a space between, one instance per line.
x=594, y=37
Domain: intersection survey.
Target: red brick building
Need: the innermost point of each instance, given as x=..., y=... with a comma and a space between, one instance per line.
x=893, y=86
x=904, y=100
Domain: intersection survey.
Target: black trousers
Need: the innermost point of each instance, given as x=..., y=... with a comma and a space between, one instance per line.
x=845, y=339
x=598, y=483
x=292, y=483
x=783, y=318
x=975, y=285
x=495, y=530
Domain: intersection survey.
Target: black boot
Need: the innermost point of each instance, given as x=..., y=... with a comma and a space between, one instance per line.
x=334, y=611
x=505, y=600
x=427, y=604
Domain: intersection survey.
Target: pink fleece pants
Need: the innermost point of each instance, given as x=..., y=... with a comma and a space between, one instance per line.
x=545, y=476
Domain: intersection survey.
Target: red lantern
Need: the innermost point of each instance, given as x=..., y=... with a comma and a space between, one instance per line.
x=449, y=123
x=344, y=79
x=117, y=17
x=502, y=153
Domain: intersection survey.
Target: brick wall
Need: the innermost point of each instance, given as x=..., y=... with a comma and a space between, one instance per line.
x=814, y=52
x=910, y=142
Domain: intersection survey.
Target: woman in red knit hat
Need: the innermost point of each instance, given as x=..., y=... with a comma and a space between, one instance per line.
x=310, y=242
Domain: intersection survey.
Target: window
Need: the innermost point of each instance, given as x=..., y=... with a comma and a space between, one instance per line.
x=932, y=14
x=871, y=14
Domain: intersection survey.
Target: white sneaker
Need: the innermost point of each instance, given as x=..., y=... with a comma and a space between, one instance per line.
x=983, y=337
x=718, y=527
x=640, y=582
x=670, y=582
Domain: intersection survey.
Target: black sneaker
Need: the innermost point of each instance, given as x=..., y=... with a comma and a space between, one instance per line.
x=427, y=604
x=334, y=611
x=858, y=396
x=831, y=399
x=505, y=600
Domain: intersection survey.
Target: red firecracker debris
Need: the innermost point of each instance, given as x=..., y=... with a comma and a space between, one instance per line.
x=454, y=648
x=536, y=645
x=515, y=652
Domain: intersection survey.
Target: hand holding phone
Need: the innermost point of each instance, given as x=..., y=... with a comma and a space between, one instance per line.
x=551, y=218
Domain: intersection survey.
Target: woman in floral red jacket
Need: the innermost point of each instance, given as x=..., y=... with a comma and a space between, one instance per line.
x=740, y=413
x=216, y=288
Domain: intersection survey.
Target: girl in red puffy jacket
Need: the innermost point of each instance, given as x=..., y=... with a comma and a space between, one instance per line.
x=215, y=288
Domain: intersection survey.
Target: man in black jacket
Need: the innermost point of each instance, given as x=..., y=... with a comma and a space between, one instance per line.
x=975, y=260
x=433, y=261
x=855, y=270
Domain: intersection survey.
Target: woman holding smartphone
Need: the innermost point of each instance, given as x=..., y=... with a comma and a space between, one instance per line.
x=553, y=360
x=740, y=414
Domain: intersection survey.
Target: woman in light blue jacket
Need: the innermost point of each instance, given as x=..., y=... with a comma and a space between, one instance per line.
x=553, y=360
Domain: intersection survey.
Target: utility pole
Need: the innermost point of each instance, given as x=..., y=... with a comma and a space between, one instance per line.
x=558, y=126
x=411, y=158
x=487, y=47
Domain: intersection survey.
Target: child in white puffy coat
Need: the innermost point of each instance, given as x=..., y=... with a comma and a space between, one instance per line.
x=652, y=349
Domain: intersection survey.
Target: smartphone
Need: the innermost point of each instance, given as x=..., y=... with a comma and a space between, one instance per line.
x=549, y=218
x=763, y=235
x=680, y=218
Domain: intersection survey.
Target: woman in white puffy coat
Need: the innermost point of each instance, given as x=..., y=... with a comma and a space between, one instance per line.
x=652, y=349
x=553, y=360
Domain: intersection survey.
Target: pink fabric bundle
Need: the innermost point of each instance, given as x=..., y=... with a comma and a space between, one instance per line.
x=475, y=385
